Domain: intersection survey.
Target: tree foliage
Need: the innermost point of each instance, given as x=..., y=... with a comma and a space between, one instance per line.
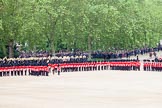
x=79, y=24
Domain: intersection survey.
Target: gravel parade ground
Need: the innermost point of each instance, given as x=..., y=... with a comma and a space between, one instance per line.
x=100, y=89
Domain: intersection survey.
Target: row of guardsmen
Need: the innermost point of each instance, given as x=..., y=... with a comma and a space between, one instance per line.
x=24, y=67
x=42, y=66
x=152, y=65
x=126, y=65
x=34, y=66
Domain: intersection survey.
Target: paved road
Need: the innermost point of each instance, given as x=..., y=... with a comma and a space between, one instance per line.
x=100, y=89
x=146, y=56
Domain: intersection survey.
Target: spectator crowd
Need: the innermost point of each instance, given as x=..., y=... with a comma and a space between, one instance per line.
x=94, y=54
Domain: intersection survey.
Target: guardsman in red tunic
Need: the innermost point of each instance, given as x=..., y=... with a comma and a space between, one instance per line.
x=157, y=66
x=144, y=65
x=1, y=70
x=147, y=65
x=58, y=69
x=65, y=67
x=124, y=65
x=160, y=66
x=138, y=65
x=111, y=65
x=153, y=66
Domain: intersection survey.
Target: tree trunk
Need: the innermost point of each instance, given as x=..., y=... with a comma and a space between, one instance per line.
x=89, y=47
x=52, y=33
x=52, y=48
x=11, y=52
x=4, y=49
x=145, y=34
x=52, y=41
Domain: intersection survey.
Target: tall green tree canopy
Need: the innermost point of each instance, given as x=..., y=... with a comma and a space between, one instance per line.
x=79, y=24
